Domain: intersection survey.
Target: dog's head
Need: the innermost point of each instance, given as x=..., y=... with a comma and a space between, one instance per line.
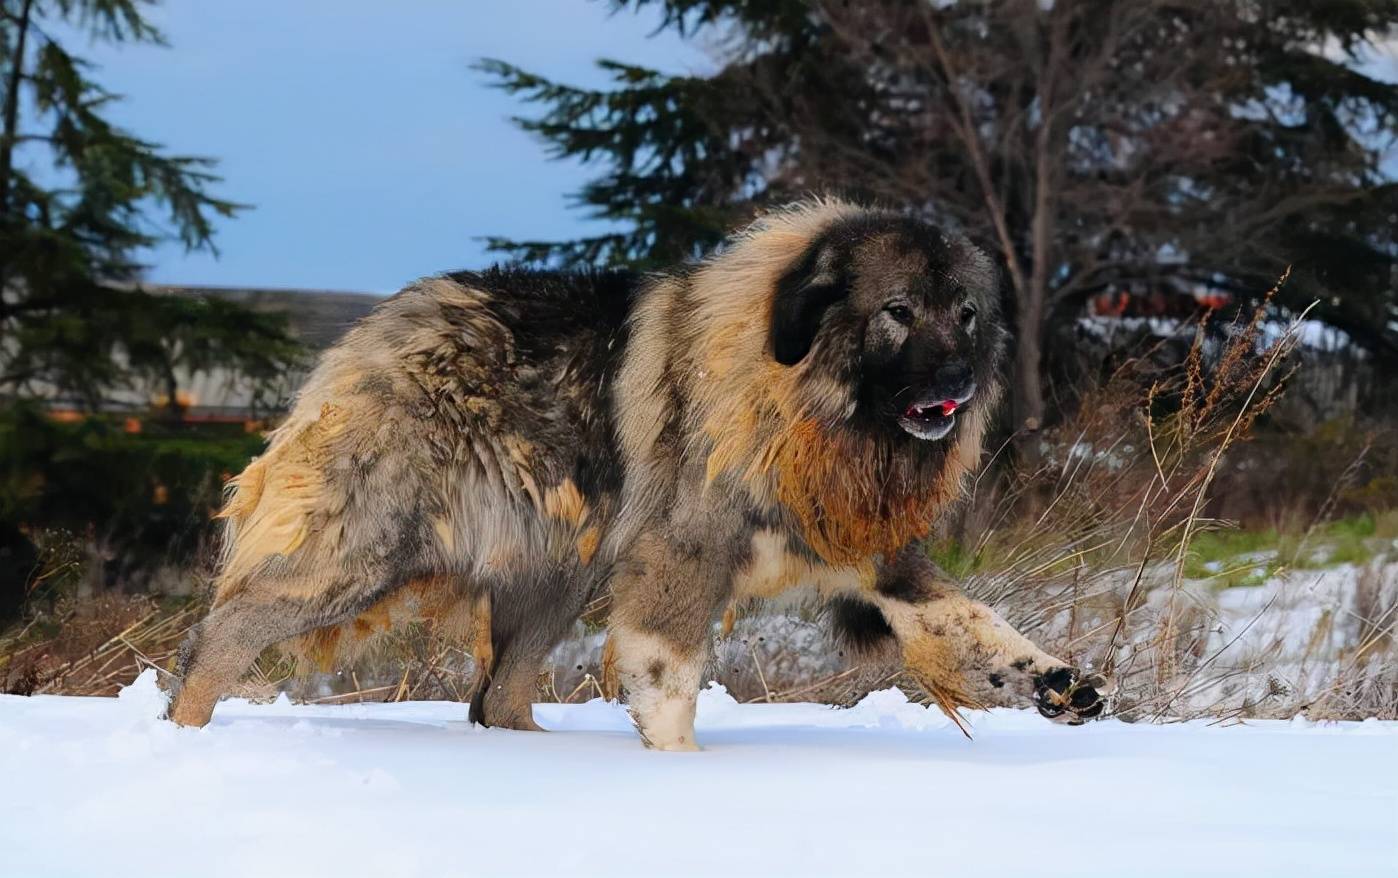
x=901, y=316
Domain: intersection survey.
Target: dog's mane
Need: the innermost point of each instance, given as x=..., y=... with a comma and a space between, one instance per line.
x=784, y=431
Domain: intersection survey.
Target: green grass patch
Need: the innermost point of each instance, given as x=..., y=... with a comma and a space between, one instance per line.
x=1221, y=555
x=1224, y=557
x=1238, y=573
x=950, y=555
x=1219, y=545
x=1352, y=540
x=1257, y=575
x=1360, y=526
x=1232, y=558
x=1350, y=551
x=1386, y=524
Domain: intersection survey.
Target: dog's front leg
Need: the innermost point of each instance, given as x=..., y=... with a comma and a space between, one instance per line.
x=664, y=600
x=964, y=654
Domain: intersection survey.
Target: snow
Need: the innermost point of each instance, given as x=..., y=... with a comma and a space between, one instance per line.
x=1313, y=334
x=100, y=786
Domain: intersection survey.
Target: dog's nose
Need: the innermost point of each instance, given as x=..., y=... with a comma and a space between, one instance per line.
x=955, y=381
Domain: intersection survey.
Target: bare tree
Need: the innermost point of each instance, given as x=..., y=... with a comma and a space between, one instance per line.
x=1094, y=145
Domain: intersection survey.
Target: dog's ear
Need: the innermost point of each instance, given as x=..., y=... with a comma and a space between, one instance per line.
x=803, y=295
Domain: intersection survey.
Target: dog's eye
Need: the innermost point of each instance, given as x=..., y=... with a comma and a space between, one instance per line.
x=968, y=316
x=900, y=312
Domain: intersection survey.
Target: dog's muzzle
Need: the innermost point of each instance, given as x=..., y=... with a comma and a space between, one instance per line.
x=932, y=413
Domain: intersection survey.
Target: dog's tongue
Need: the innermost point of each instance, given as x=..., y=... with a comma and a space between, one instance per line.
x=946, y=406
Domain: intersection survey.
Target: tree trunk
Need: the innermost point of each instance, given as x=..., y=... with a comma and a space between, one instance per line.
x=174, y=409
x=1028, y=388
x=9, y=134
x=1029, y=383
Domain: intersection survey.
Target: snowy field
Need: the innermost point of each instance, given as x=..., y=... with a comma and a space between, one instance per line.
x=100, y=787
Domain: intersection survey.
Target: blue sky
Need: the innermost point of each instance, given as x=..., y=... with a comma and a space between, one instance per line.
x=370, y=150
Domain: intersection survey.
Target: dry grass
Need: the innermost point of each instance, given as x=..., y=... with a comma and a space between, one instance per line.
x=1092, y=549
x=93, y=646
x=1367, y=681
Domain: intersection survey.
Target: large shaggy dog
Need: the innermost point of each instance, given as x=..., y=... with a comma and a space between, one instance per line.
x=492, y=450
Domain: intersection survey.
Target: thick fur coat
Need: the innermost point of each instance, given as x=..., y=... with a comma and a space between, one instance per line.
x=492, y=450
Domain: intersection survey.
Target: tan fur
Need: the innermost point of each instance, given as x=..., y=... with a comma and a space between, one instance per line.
x=610, y=682
x=587, y=544
x=565, y=503
x=774, y=569
x=195, y=706
x=433, y=600
x=853, y=503
x=951, y=644
x=273, y=501
x=445, y=533
x=641, y=379
x=482, y=648
x=730, y=619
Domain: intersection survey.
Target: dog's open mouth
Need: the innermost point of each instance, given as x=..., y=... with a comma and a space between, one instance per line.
x=929, y=419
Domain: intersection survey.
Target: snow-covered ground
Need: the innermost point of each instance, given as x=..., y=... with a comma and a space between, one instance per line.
x=99, y=787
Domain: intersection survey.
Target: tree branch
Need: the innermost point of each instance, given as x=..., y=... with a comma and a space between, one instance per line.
x=965, y=129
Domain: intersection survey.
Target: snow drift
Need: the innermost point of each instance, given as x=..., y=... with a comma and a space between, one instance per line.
x=96, y=786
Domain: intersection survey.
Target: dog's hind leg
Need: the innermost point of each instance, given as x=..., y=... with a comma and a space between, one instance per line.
x=221, y=648
x=524, y=630
x=506, y=700
x=482, y=649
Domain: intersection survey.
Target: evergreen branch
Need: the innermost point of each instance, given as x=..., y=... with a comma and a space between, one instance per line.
x=61, y=246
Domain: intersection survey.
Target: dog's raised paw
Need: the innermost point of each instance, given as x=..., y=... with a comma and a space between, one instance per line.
x=1066, y=695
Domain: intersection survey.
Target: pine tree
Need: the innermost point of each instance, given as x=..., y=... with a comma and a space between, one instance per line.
x=79, y=198
x=1097, y=145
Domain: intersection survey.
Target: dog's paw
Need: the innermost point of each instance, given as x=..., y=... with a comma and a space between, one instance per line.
x=1066, y=695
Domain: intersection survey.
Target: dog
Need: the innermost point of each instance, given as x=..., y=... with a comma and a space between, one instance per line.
x=492, y=450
